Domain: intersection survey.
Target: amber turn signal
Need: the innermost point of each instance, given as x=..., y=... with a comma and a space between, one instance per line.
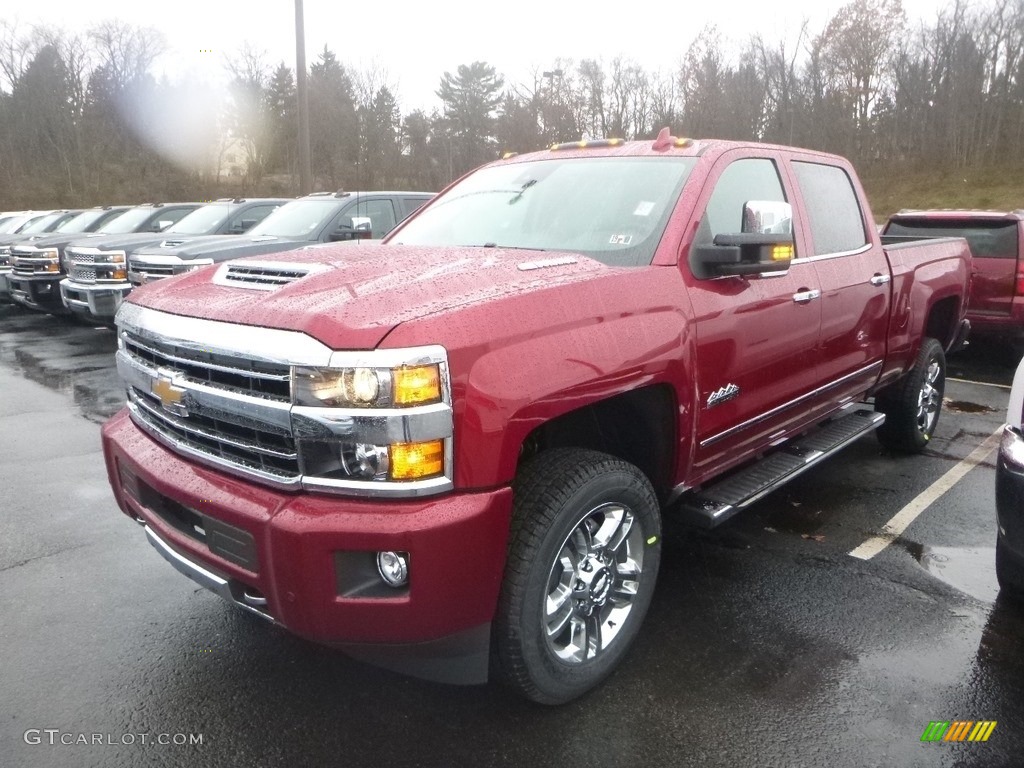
x=413, y=461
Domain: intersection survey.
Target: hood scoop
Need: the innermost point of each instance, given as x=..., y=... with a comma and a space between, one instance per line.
x=263, y=275
x=171, y=243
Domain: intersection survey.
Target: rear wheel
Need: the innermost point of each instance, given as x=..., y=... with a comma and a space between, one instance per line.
x=583, y=559
x=912, y=405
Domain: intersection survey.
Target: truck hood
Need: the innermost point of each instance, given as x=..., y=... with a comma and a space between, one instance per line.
x=128, y=242
x=219, y=247
x=353, y=296
x=54, y=239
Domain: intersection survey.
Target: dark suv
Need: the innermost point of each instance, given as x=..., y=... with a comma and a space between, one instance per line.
x=37, y=267
x=97, y=279
x=318, y=218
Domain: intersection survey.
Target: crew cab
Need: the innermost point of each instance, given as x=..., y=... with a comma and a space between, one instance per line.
x=97, y=279
x=57, y=223
x=316, y=218
x=450, y=453
x=39, y=267
x=996, y=304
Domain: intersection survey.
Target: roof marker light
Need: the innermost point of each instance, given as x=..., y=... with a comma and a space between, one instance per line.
x=596, y=144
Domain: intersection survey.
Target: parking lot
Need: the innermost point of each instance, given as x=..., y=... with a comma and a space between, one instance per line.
x=768, y=644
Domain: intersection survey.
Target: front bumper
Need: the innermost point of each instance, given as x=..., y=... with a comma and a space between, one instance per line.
x=100, y=300
x=304, y=560
x=40, y=292
x=1010, y=493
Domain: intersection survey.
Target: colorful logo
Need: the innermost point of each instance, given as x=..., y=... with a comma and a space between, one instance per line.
x=958, y=730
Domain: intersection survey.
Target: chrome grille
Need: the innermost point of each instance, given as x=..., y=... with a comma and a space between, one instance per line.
x=260, y=448
x=249, y=377
x=154, y=269
x=86, y=274
x=81, y=258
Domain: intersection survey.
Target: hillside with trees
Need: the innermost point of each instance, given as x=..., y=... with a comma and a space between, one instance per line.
x=83, y=120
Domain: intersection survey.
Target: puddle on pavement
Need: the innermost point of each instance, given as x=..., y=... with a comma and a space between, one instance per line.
x=962, y=406
x=971, y=570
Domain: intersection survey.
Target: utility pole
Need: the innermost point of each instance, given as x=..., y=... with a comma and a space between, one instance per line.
x=302, y=92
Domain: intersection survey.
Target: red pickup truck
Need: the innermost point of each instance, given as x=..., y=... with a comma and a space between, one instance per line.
x=996, y=304
x=449, y=454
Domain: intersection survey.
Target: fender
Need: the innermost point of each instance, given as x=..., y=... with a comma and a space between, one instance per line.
x=538, y=356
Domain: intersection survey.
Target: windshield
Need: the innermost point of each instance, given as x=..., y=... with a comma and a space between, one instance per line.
x=129, y=221
x=993, y=239
x=300, y=218
x=82, y=221
x=612, y=209
x=42, y=224
x=202, y=221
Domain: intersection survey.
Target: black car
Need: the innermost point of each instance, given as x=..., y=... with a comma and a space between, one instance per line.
x=318, y=218
x=97, y=279
x=1010, y=495
x=37, y=267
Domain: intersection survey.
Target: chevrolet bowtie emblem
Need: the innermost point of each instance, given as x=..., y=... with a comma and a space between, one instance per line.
x=169, y=394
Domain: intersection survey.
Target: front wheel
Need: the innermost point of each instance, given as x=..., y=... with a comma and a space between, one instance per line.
x=912, y=405
x=583, y=558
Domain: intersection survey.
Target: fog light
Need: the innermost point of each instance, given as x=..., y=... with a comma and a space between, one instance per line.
x=393, y=568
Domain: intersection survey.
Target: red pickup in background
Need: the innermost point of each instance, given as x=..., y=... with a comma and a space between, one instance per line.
x=996, y=304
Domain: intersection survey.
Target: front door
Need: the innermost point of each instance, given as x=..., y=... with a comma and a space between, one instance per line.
x=757, y=337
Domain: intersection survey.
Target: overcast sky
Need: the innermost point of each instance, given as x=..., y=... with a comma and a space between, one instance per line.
x=416, y=42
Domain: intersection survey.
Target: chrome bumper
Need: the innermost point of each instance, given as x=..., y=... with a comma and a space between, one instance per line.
x=101, y=300
x=204, y=578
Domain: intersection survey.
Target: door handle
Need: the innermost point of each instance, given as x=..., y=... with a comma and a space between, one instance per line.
x=802, y=297
x=879, y=279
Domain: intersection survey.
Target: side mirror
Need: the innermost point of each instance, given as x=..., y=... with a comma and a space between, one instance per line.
x=242, y=226
x=764, y=246
x=161, y=225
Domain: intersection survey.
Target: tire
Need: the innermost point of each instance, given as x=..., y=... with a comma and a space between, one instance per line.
x=1009, y=573
x=572, y=601
x=912, y=405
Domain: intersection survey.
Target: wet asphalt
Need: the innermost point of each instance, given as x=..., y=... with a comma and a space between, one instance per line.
x=767, y=644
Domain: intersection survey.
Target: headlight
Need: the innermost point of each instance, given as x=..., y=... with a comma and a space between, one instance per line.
x=367, y=387
x=110, y=257
x=47, y=253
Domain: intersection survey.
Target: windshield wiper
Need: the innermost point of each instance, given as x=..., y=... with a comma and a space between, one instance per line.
x=518, y=195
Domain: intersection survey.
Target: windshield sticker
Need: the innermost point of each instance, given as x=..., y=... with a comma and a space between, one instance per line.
x=620, y=239
x=644, y=208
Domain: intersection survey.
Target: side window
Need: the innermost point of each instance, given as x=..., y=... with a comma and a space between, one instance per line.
x=168, y=216
x=743, y=181
x=833, y=210
x=412, y=203
x=250, y=217
x=379, y=215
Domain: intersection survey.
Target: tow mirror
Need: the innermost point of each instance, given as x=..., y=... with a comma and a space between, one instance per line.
x=764, y=246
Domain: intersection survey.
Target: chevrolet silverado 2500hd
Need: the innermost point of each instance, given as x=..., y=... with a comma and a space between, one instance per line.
x=39, y=267
x=449, y=454
x=316, y=218
x=97, y=279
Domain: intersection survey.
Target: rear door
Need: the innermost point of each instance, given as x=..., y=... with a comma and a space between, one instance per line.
x=854, y=276
x=994, y=250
